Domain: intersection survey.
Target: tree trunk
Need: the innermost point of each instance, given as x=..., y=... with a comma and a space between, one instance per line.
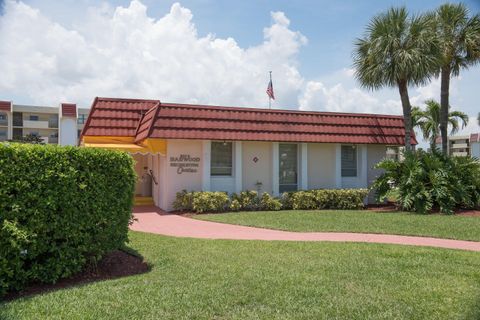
x=407, y=113
x=444, y=106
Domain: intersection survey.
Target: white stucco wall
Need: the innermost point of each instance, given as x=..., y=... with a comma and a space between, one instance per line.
x=322, y=161
x=177, y=179
x=321, y=166
x=68, y=132
x=259, y=171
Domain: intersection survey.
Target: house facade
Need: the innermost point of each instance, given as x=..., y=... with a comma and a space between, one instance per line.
x=54, y=125
x=213, y=148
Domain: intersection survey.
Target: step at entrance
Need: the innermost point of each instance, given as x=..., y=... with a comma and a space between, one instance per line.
x=144, y=201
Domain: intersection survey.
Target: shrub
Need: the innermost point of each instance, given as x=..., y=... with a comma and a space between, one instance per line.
x=209, y=201
x=267, y=202
x=206, y=201
x=183, y=201
x=59, y=208
x=425, y=181
x=346, y=199
x=235, y=205
x=286, y=200
x=248, y=200
x=304, y=200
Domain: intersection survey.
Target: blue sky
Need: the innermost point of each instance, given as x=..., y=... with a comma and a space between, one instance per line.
x=312, y=67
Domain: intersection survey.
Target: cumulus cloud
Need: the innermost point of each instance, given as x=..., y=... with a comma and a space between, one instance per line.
x=124, y=52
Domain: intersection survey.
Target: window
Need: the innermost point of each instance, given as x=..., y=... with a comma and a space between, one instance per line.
x=17, y=119
x=3, y=119
x=3, y=135
x=81, y=118
x=33, y=117
x=349, y=161
x=221, y=159
x=288, y=168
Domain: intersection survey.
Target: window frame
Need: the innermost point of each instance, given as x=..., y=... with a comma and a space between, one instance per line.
x=232, y=160
x=355, y=161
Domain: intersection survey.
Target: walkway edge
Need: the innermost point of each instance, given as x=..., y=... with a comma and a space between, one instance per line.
x=179, y=226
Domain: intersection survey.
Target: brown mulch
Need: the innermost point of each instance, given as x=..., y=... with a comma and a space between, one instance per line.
x=392, y=208
x=115, y=264
x=470, y=213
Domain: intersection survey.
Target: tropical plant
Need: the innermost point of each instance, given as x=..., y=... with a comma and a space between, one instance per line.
x=425, y=181
x=398, y=50
x=459, y=40
x=428, y=121
x=29, y=138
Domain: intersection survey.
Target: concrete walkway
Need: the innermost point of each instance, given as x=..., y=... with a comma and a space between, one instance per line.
x=153, y=220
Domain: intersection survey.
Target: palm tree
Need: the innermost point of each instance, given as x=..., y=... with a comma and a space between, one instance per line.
x=459, y=38
x=397, y=51
x=428, y=121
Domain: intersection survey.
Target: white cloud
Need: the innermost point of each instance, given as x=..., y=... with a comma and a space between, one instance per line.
x=123, y=52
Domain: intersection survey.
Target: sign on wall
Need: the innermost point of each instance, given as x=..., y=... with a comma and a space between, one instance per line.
x=185, y=163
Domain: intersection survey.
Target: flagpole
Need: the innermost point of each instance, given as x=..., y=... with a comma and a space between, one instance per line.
x=269, y=97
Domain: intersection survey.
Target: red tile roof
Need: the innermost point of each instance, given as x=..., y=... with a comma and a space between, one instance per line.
x=5, y=106
x=69, y=110
x=151, y=118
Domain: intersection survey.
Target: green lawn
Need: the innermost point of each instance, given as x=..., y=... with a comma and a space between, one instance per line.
x=224, y=279
x=442, y=226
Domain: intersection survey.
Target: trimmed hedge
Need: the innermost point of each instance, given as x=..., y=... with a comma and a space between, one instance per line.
x=60, y=207
x=207, y=201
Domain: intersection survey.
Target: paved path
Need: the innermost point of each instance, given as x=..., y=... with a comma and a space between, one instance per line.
x=152, y=220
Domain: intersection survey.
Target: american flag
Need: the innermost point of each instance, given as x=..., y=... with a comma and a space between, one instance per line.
x=270, y=90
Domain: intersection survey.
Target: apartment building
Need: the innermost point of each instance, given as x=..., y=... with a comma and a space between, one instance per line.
x=56, y=125
x=462, y=146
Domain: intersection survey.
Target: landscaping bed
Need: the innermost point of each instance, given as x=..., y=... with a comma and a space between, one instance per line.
x=113, y=265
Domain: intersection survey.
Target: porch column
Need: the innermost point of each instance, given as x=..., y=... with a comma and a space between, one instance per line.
x=206, y=151
x=363, y=167
x=238, y=166
x=275, y=168
x=338, y=166
x=304, y=166
x=10, y=125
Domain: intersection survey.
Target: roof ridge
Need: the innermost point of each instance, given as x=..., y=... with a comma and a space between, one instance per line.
x=288, y=111
x=127, y=99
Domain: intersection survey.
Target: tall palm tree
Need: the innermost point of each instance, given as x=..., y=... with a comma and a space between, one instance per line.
x=428, y=121
x=397, y=51
x=459, y=37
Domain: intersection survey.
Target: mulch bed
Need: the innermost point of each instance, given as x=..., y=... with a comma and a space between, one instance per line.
x=392, y=208
x=115, y=264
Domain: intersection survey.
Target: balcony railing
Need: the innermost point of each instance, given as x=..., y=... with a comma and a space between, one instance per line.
x=37, y=124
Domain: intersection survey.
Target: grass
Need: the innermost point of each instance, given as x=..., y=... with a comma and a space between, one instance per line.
x=224, y=279
x=402, y=223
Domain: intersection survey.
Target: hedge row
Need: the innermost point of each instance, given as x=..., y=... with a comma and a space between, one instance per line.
x=60, y=207
x=209, y=201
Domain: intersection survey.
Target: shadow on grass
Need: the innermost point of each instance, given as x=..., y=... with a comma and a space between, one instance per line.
x=116, y=264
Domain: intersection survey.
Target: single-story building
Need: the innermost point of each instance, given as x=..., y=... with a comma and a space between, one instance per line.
x=215, y=148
